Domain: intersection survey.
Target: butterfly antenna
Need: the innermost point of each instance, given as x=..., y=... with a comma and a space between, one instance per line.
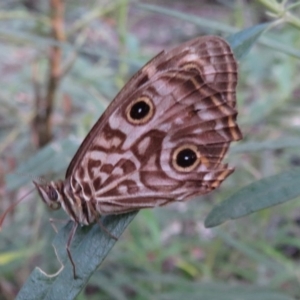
x=11, y=207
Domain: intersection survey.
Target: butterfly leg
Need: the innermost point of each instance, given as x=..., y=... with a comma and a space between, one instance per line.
x=106, y=231
x=53, y=221
x=70, y=238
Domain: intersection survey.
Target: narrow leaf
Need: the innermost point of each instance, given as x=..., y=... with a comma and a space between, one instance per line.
x=89, y=248
x=242, y=41
x=258, y=195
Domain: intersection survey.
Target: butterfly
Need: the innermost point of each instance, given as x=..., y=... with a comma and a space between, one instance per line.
x=162, y=139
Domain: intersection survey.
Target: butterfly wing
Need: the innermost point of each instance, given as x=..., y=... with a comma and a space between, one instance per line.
x=165, y=134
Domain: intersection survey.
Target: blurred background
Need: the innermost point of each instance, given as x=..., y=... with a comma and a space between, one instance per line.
x=62, y=62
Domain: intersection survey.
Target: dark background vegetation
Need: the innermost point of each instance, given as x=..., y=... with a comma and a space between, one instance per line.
x=58, y=72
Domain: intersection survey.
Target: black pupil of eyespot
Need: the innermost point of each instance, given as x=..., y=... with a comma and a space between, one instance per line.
x=139, y=110
x=186, y=158
x=52, y=194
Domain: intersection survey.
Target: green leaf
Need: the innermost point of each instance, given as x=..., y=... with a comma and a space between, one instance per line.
x=258, y=195
x=242, y=41
x=89, y=248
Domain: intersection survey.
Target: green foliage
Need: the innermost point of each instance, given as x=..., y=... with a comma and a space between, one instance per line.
x=166, y=253
x=90, y=246
x=259, y=195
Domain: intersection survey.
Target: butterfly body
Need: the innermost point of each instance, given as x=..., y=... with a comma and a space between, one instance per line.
x=161, y=140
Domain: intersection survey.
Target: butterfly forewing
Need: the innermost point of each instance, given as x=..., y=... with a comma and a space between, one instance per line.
x=163, y=137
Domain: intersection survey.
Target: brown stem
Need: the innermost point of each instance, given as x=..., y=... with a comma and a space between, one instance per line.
x=44, y=106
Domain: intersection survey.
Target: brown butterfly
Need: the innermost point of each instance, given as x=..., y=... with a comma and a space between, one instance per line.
x=161, y=140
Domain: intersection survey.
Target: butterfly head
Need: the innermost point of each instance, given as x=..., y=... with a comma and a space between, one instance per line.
x=51, y=193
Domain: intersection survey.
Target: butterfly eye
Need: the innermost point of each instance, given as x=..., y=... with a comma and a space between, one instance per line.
x=140, y=111
x=186, y=158
x=52, y=194
x=53, y=197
